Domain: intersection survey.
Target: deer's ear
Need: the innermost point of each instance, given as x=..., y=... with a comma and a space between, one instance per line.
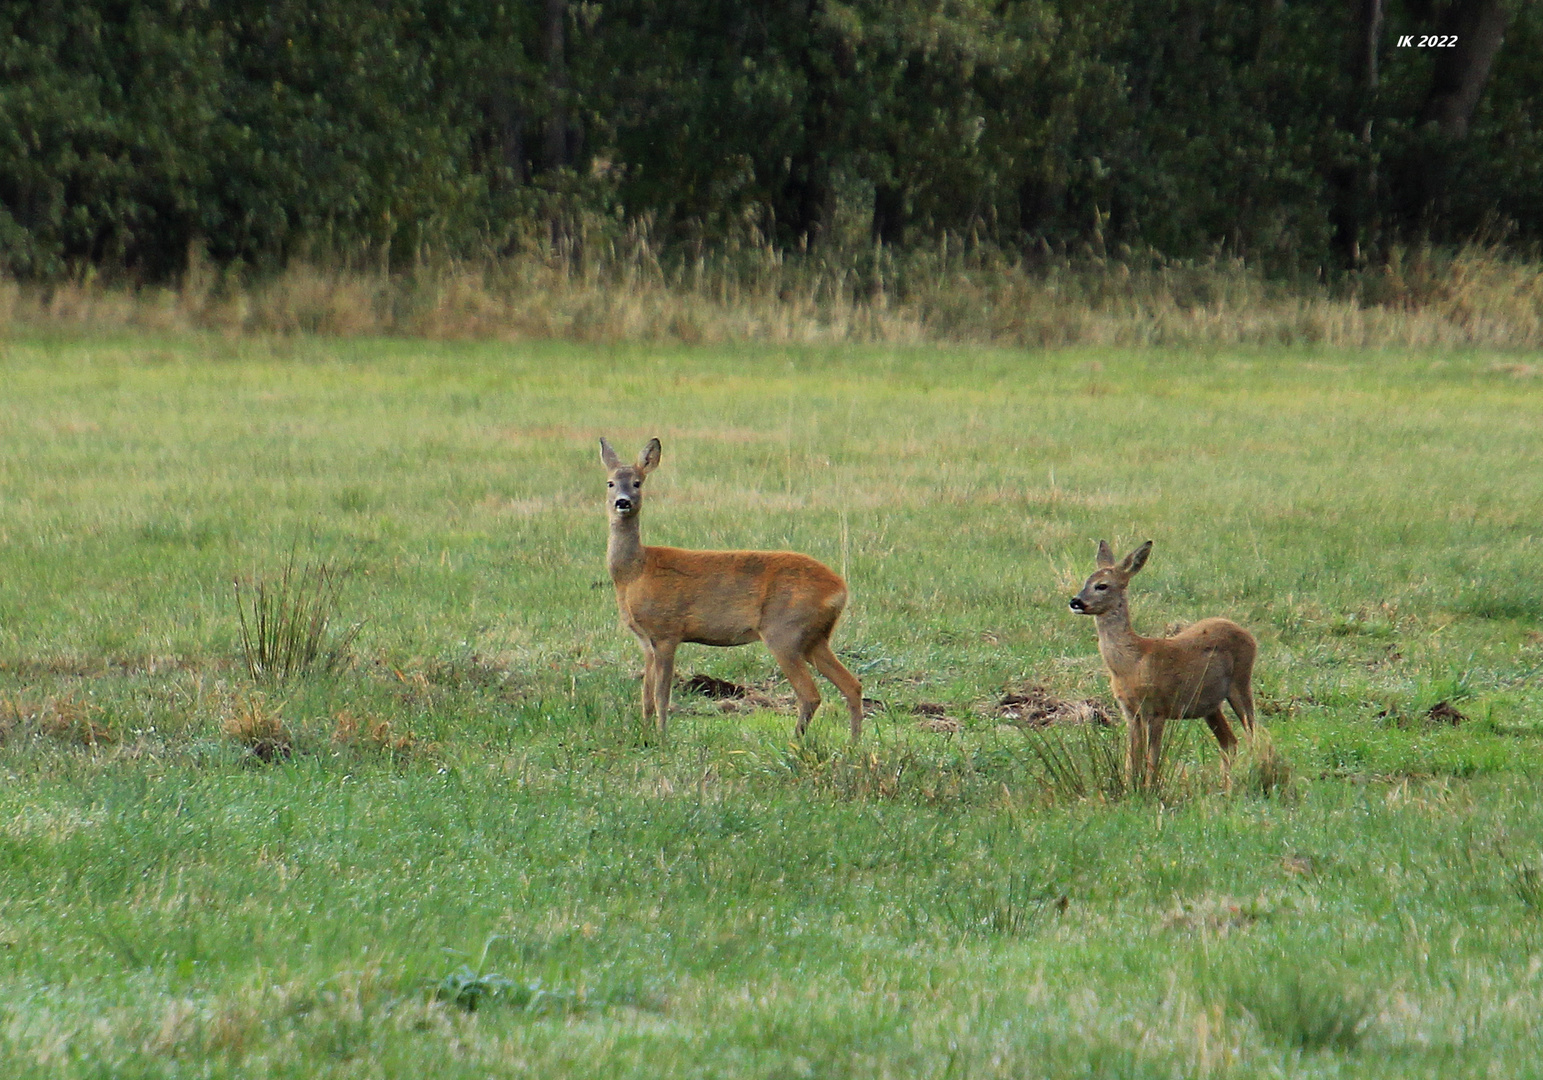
x=1136, y=559
x=608, y=456
x=650, y=460
x=1105, y=554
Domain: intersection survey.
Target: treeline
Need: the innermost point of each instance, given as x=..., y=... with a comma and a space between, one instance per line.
x=1302, y=135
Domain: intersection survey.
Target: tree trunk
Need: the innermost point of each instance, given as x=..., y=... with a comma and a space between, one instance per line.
x=1461, y=72
x=506, y=134
x=810, y=198
x=1457, y=83
x=1269, y=32
x=1371, y=37
x=557, y=144
x=1041, y=202
x=1354, y=214
x=889, y=215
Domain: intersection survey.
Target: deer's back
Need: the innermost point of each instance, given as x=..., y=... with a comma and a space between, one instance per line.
x=1208, y=635
x=1190, y=673
x=726, y=597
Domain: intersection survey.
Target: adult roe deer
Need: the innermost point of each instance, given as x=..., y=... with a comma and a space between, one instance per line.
x=1155, y=680
x=670, y=595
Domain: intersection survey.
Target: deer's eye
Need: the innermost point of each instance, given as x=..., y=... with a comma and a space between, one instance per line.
x=610, y=483
x=1100, y=587
x=637, y=483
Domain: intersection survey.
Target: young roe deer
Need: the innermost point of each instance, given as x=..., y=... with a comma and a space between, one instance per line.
x=1155, y=680
x=670, y=595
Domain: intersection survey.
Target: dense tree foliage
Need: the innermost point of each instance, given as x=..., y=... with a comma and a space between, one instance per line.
x=1299, y=134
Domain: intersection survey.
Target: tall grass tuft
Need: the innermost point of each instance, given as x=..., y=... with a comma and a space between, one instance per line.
x=1007, y=908
x=1527, y=884
x=287, y=623
x=1260, y=768
x=1311, y=1009
x=1526, y=879
x=1082, y=762
x=1077, y=762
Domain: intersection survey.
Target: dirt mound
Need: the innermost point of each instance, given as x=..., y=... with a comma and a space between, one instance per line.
x=711, y=686
x=1444, y=712
x=940, y=725
x=732, y=695
x=1038, y=707
x=934, y=718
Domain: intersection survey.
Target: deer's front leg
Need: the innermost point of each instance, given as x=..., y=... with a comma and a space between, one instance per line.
x=648, y=687
x=648, y=677
x=1154, y=748
x=664, y=679
x=1135, y=746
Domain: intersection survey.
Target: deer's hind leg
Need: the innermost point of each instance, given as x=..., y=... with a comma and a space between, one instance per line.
x=790, y=658
x=825, y=661
x=1217, y=722
x=1240, y=695
x=1241, y=698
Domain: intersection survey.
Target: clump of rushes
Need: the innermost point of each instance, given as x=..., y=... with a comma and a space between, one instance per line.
x=287, y=622
x=1085, y=761
x=1007, y=908
x=1310, y=1009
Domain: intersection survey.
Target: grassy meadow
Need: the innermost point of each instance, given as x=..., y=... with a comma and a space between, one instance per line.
x=459, y=853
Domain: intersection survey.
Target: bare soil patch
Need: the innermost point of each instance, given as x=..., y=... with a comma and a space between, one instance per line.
x=86, y=667
x=1038, y=707
x=1444, y=712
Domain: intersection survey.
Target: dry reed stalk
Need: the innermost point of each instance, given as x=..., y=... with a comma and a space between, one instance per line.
x=1421, y=298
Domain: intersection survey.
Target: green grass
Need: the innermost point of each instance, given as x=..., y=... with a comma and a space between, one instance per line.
x=470, y=859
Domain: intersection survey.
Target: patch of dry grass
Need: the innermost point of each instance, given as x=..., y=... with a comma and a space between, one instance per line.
x=624, y=291
x=63, y=717
x=372, y=733
x=252, y=721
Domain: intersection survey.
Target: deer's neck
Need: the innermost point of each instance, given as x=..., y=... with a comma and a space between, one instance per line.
x=624, y=551
x=1117, y=642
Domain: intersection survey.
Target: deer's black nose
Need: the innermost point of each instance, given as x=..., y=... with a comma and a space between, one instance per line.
x=1076, y=604
x=624, y=504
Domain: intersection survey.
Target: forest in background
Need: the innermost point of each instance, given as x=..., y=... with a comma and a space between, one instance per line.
x=1298, y=137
